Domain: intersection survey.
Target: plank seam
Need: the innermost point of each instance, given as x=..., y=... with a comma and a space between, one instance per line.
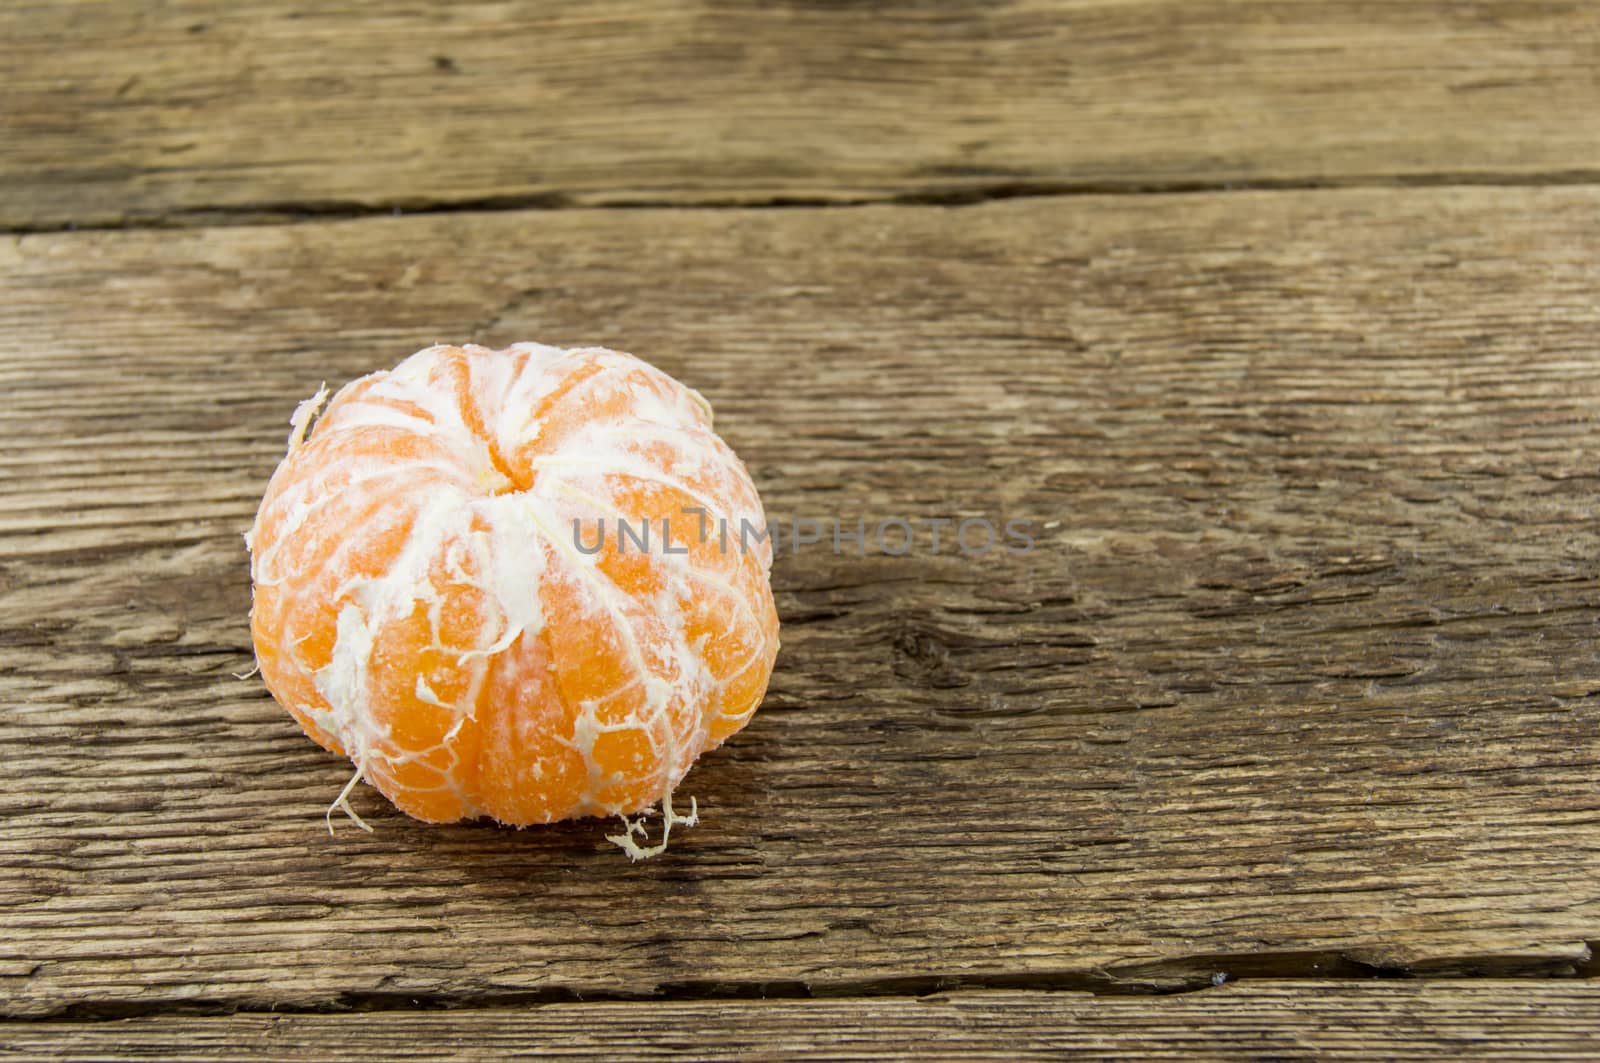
x=283, y=212
x=1161, y=978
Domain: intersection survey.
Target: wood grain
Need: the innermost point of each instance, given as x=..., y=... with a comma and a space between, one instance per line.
x=112, y=112
x=1300, y=678
x=1259, y=1021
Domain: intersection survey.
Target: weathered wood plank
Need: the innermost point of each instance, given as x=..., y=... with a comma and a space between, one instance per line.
x=111, y=111
x=1303, y=674
x=1494, y=1020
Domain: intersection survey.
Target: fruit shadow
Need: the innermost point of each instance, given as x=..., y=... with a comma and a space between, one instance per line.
x=728, y=787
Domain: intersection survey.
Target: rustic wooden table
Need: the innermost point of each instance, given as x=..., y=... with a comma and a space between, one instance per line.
x=1281, y=320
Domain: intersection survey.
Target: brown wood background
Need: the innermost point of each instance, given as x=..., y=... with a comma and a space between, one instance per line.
x=1284, y=317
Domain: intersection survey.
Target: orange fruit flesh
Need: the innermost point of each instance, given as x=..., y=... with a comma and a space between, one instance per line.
x=429, y=599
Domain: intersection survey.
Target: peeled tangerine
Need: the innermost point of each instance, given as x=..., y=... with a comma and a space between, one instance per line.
x=430, y=601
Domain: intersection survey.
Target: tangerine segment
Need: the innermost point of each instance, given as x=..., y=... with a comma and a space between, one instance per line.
x=455, y=583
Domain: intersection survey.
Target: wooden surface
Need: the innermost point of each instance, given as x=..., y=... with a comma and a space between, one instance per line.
x=1490, y=1020
x=1305, y=669
x=1298, y=686
x=112, y=111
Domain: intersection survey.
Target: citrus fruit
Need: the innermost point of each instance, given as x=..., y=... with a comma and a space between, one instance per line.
x=530, y=584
